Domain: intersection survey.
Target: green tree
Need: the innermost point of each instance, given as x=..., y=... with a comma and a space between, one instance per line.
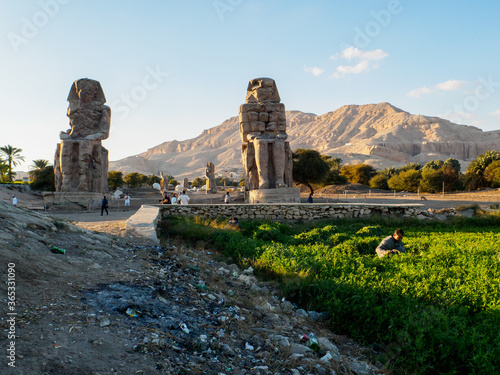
x=333, y=176
x=153, y=179
x=358, y=173
x=452, y=163
x=432, y=179
x=133, y=179
x=435, y=165
x=12, y=157
x=410, y=166
x=38, y=166
x=173, y=182
x=492, y=174
x=379, y=181
x=115, y=179
x=242, y=183
x=4, y=170
x=452, y=177
x=199, y=182
x=474, y=176
x=308, y=167
x=44, y=179
x=408, y=180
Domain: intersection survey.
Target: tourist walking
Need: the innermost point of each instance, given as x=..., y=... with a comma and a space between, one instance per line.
x=226, y=198
x=174, y=198
x=104, y=206
x=14, y=200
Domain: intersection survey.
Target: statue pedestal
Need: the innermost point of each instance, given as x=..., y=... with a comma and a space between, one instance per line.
x=76, y=200
x=281, y=195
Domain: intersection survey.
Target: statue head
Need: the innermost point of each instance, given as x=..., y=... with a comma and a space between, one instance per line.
x=86, y=103
x=261, y=90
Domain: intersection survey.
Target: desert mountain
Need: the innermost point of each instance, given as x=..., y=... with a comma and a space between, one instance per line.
x=378, y=134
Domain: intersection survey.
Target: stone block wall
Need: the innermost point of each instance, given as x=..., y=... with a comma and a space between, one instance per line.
x=284, y=212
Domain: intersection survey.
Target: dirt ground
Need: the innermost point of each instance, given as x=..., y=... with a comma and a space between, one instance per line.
x=115, y=304
x=71, y=309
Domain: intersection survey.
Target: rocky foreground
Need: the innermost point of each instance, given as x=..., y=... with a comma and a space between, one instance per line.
x=115, y=304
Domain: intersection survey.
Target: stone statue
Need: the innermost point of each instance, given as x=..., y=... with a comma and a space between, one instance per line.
x=210, y=174
x=81, y=163
x=267, y=157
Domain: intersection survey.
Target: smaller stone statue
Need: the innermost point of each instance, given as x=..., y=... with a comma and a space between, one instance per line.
x=210, y=174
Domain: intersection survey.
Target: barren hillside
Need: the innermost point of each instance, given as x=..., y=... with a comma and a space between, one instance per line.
x=378, y=134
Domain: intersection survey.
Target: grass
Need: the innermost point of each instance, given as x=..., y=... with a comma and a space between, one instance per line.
x=435, y=309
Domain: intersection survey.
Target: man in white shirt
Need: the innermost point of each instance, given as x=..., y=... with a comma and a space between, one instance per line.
x=184, y=198
x=14, y=200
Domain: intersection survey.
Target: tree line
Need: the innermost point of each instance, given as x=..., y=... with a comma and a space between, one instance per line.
x=315, y=171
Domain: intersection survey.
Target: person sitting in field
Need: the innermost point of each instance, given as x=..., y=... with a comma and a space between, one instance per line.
x=392, y=244
x=233, y=224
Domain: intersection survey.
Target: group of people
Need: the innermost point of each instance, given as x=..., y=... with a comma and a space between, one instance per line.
x=105, y=204
x=181, y=199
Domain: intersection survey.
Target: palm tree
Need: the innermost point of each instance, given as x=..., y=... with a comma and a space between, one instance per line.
x=38, y=166
x=12, y=156
x=4, y=168
x=475, y=172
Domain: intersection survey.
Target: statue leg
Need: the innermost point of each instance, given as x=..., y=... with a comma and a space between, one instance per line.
x=279, y=160
x=262, y=161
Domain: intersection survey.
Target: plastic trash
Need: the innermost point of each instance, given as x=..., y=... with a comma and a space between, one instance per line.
x=313, y=342
x=305, y=338
x=201, y=286
x=184, y=328
x=132, y=313
x=57, y=250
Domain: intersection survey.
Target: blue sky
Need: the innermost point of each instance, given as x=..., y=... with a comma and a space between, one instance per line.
x=171, y=69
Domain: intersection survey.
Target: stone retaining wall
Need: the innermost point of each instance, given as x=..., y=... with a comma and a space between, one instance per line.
x=284, y=212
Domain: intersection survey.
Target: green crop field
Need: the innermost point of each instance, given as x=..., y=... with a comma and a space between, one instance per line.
x=433, y=310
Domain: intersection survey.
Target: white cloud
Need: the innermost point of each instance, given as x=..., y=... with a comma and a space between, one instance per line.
x=416, y=93
x=496, y=113
x=365, y=61
x=350, y=53
x=314, y=70
x=450, y=85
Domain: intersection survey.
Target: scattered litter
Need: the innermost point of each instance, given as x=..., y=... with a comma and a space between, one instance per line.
x=184, y=328
x=57, y=250
x=132, y=313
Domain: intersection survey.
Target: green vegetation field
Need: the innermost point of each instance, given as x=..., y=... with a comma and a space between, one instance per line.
x=433, y=310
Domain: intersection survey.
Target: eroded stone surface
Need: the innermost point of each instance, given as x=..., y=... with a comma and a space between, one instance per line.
x=81, y=163
x=210, y=174
x=267, y=158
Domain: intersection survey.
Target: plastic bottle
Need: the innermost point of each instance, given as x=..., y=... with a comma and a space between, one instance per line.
x=313, y=342
x=57, y=250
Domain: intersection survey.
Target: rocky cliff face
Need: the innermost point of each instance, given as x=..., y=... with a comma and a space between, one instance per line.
x=379, y=134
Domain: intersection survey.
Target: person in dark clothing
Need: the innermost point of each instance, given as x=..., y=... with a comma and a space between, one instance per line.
x=392, y=244
x=310, y=199
x=233, y=224
x=104, y=206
